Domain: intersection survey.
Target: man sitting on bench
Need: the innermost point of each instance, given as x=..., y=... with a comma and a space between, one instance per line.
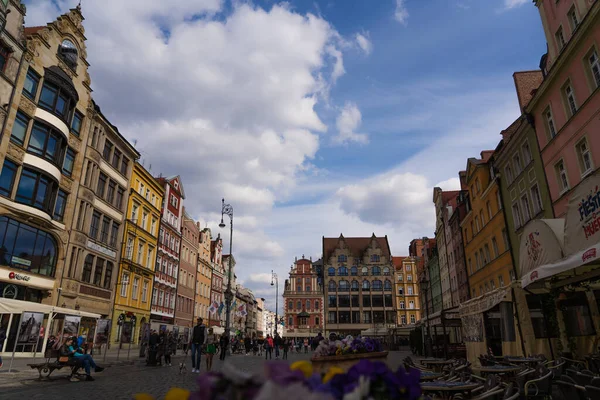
x=77, y=354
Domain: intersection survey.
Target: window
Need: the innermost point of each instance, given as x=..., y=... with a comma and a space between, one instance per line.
x=67, y=168
x=98, y=271
x=332, y=317
x=59, y=206
x=400, y=277
x=36, y=190
x=174, y=201
x=412, y=319
x=331, y=271
x=477, y=227
x=595, y=67
x=108, y=275
x=145, y=291
x=377, y=285
x=134, y=212
x=478, y=185
x=342, y=258
x=584, y=157
x=119, y=197
x=489, y=210
x=516, y=215
x=291, y=305
x=365, y=271
x=366, y=286
x=316, y=304
x=573, y=21
x=87, y=268
x=54, y=100
x=344, y=301
x=408, y=267
x=409, y=290
x=570, y=98
x=19, y=129
x=101, y=185
x=470, y=267
x=495, y=247
x=46, y=143
x=107, y=150
x=486, y=248
x=114, y=234
x=116, y=158
x=7, y=177
x=400, y=290
x=355, y=286
x=32, y=80
x=525, y=208
x=517, y=163
x=386, y=271
x=500, y=281
x=110, y=194
x=375, y=271
x=353, y=271
x=561, y=174
x=124, y=165
x=482, y=219
x=409, y=278
x=144, y=219
x=509, y=174
x=332, y=286
x=135, y=288
x=550, y=123
x=149, y=257
x=76, y=123
x=411, y=305
x=95, y=224
x=343, y=271
x=139, y=253
x=484, y=259
x=124, y=282
x=387, y=285
x=526, y=153
x=537, y=199
x=68, y=52
x=560, y=38
x=375, y=258
x=343, y=286
x=505, y=239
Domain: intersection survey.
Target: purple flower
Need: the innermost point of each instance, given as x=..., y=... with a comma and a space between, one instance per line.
x=280, y=373
x=409, y=383
x=208, y=382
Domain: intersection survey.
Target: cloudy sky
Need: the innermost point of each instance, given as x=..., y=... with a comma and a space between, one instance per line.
x=311, y=117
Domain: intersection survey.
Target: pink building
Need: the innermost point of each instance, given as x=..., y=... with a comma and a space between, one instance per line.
x=566, y=104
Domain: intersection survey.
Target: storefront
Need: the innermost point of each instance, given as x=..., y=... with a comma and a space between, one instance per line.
x=560, y=274
x=20, y=285
x=30, y=325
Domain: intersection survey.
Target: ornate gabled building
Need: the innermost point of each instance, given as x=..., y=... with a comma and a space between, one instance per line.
x=186, y=283
x=303, y=300
x=358, y=284
x=217, y=319
x=407, y=290
x=203, y=274
x=169, y=247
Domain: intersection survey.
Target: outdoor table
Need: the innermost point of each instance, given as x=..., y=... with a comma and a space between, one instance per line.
x=532, y=361
x=449, y=389
x=430, y=376
x=497, y=369
x=436, y=365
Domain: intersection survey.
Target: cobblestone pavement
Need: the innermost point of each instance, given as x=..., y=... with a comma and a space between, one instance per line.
x=121, y=382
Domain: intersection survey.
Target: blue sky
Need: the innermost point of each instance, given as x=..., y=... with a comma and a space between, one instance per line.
x=312, y=118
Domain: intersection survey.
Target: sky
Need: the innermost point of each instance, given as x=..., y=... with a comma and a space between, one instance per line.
x=311, y=118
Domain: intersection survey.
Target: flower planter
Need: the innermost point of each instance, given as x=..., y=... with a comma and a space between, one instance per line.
x=322, y=364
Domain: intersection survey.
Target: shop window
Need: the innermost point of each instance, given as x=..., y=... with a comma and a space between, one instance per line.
x=32, y=80
x=542, y=311
x=576, y=314
x=7, y=177
x=27, y=248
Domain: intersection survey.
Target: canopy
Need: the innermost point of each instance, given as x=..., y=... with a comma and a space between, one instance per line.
x=11, y=306
x=541, y=244
x=378, y=331
x=581, y=234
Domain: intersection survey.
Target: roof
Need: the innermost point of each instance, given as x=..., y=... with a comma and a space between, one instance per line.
x=486, y=155
x=114, y=128
x=449, y=196
x=356, y=245
x=527, y=83
x=512, y=129
x=398, y=261
x=30, y=30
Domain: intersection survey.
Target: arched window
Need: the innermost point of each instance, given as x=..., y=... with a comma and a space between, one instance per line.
x=86, y=276
x=343, y=271
x=299, y=305
x=386, y=271
x=331, y=271
x=387, y=285
x=365, y=271
x=354, y=271
x=366, y=285
x=27, y=248
x=68, y=52
x=308, y=304
x=342, y=258
x=377, y=285
x=376, y=271
x=291, y=305
x=375, y=258
x=355, y=286
x=332, y=286
x=343, y=286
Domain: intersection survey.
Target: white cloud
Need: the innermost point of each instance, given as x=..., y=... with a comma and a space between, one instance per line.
x=364, y=43
x=508, y=4
x=401, y=13
x=348, y=121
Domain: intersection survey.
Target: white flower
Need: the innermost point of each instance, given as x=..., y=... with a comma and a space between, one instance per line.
x=236, y=376
x=362, y=390
x=297, y=391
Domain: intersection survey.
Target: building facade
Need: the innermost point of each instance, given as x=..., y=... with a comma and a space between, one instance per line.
x=169, y=246
x=133, y=297
x=217, y=319
x=407, y=290
x=303, y=300
x=359, y=289
x=186, y=283
x=442, y=201
x=203, y=274
x=459, y=278
x=260, y=319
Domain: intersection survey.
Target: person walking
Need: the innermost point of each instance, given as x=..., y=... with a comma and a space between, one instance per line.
x=305, y=346
x=162, y=338
x=277, y=342
x=223, y=341
x=197, y=342
x=286, y=347
x=169, y=347
x=269, y=347
x=248, y=344
x=211, y=348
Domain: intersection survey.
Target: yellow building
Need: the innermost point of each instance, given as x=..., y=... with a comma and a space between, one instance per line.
x=204, y=275
x=487, y=253
x=133, y=294
x=408, y=302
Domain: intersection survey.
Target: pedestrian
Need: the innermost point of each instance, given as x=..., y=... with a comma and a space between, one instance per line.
x=197, y=342
x=152, y=348
x=211, y=348
x=248, y=344
x=305, y=346
x=223, y=341
x=277, y=343
x=286, y=347
x=269, y=348
x=168, y=348
x=162, y=338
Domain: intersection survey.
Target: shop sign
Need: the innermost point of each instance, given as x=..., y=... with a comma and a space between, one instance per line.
x=10, y=292
x=20, y=261
x=582, y=226
x=18, y=277
x=101, y=249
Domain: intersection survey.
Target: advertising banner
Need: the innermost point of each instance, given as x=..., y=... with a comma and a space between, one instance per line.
x=31, y=325
x=102, y=332
x=71, y=325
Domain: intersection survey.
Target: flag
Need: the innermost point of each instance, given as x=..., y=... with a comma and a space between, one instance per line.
x=234, y=303
x=242, y=310
x=220, y=310
x=213, y=307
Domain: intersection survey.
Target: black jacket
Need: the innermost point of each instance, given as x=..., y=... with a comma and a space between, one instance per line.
x=199, y=334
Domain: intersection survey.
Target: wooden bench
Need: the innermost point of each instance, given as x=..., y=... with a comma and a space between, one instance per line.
x=52, y=363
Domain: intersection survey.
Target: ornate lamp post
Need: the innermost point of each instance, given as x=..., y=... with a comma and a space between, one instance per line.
x=275, y=281
x=227, y=209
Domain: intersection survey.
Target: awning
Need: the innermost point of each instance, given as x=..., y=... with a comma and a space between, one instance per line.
x=10, y=306
x=541, y=244
x=375, y=332
x=483, y=303
x=581, y=234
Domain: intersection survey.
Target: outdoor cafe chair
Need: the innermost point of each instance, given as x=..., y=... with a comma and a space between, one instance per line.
x=572, y=391
x=595, y=382
x=593, y=392
x=540, y=387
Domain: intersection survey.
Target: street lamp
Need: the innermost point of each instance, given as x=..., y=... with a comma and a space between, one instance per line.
x=425, y=288
x=227, y=209
x=275, y=280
